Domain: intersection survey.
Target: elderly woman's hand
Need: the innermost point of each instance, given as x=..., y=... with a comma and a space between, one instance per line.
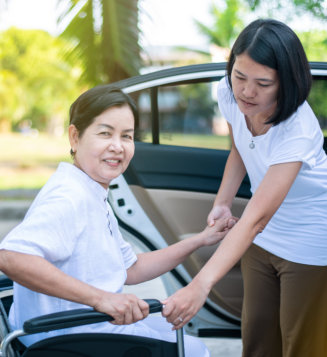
x=218, y=230
x=124, y=308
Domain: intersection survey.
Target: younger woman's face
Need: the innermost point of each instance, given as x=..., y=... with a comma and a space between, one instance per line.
x=255, y=87
x=107, y=146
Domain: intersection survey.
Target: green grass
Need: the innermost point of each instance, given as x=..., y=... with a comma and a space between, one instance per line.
x=194, y=140
x=23, y=179
x=27, y=162
x=26, y=151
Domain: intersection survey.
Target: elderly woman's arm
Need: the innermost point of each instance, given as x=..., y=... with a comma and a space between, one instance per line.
x=153, y=264
x=39, y=275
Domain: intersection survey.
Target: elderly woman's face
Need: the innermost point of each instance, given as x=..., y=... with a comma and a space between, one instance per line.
x=107, y=146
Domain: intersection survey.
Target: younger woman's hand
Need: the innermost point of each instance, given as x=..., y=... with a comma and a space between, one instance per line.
x=184, y=304
x=217, y=212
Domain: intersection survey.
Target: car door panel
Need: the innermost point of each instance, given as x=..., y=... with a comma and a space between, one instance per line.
x=179, y=167
x=180, y=214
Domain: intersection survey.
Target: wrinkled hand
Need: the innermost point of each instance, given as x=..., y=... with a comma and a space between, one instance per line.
x=124, y=308
x=182, y=306
x=217, y=212
x=218, y=230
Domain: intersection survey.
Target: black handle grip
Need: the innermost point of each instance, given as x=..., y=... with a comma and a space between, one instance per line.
x=77, y=317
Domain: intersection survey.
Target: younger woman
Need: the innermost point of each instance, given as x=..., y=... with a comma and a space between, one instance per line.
x=277, y=140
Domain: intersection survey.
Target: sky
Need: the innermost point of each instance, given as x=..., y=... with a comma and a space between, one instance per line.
x=164, y=22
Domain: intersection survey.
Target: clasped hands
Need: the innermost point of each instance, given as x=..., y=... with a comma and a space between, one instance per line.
x=184, y=304
x=178, y=308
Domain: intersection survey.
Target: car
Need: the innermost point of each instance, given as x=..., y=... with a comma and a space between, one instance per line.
x=181, y=147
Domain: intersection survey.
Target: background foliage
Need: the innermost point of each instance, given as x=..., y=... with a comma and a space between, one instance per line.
x=37, y=85
x=40, y=75
x=104, y=37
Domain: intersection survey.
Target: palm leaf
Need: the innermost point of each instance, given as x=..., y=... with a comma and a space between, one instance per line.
x=108, y=47
x=120, y=36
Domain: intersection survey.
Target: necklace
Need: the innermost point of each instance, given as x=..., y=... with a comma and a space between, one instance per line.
x=252, y=144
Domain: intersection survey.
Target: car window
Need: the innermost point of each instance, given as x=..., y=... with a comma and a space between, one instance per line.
x=317, y=101
x=143, y=125
x=189, y=116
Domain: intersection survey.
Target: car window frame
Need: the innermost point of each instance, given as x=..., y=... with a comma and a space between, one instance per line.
x=207, y=72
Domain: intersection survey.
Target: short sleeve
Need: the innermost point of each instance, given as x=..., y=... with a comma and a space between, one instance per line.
x=295, y=149
x=49, y=230
x=299, y=139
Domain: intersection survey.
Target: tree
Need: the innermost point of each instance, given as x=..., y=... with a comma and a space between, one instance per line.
x=104, y=37
x=229, y=20
x=36, y=84
x=227, y=23
x=11, y=107
x=315, y=44
x=317, y=8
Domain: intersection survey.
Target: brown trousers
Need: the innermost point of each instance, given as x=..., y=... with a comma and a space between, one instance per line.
x=284, y=308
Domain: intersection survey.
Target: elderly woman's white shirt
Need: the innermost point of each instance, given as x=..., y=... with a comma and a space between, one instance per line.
x=68, y=225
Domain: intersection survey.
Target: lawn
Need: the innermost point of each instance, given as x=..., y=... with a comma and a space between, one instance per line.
x=27, y=161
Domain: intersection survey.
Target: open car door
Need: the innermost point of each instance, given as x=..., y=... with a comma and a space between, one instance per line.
x=168, y=190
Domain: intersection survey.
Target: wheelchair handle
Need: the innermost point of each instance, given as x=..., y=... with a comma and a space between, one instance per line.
x=76, y=317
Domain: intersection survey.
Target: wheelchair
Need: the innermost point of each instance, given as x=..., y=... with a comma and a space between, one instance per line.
x=82, y=344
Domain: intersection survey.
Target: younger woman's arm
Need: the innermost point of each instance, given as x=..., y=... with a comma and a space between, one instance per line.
x=234, y=173
x=186, y=302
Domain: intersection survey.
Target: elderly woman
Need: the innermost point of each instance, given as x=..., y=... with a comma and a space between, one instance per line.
x=68, y=250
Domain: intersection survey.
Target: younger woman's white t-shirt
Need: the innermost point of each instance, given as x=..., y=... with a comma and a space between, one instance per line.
x=298, y=230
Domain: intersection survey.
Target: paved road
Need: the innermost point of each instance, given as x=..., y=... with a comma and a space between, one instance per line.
x=219, y=347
